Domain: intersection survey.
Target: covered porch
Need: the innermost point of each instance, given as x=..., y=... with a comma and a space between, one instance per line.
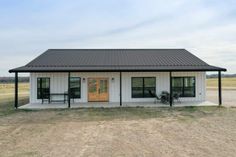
x=174, y=64
x=121, y=102
x=112, y=105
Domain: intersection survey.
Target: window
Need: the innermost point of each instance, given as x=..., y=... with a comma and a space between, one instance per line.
x=75, y=84
x=43, y=88
x=142, y=85
x=185, y=86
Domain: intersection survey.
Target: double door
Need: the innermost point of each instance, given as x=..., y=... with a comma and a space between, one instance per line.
x=98, y=90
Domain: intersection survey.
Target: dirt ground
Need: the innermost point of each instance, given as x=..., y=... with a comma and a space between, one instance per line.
x=131, y=132
x=206, y=131
x=228, y=96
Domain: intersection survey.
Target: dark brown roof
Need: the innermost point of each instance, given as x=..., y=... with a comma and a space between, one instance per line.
x=116, y=60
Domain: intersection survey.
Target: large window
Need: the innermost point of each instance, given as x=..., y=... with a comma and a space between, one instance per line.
x=142, y=85
x=43, y=88
x=75, y=84
x=184, y=86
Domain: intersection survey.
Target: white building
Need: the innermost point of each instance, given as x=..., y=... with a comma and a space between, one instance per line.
x=117, y=76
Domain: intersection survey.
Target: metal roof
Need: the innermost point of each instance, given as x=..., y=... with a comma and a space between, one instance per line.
x=63, y=60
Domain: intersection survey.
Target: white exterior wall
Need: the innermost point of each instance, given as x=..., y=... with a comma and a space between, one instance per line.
x=59, y=83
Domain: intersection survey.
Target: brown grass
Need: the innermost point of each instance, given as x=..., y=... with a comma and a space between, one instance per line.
x=9, y=88
x=226, y=82
x=176, y=132
x=7, y=97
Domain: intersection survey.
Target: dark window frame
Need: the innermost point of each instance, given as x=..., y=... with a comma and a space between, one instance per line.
x=76, y=97
x=143, y=87
x=39, y=89
x=183, y=86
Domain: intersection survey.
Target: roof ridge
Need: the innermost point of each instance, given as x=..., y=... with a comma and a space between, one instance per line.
x=112, y=65
x=122, y=49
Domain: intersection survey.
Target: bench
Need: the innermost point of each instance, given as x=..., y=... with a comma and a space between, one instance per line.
x=51, y=97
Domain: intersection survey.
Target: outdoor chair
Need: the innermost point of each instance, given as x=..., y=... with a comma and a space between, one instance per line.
x=176, y=97
x=154, y=95
x=165, y=97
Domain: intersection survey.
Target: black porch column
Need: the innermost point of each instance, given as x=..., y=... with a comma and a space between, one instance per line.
x=120, y=88
x=68, y=90
x=16, y=90
x=219, y=88
x=170, y=89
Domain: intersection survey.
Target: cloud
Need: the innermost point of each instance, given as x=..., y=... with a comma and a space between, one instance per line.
x=205, y=28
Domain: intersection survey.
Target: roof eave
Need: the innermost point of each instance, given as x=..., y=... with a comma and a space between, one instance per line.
x=21, y=70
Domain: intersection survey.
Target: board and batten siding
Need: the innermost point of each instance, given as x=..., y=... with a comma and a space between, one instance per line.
x=59, y=84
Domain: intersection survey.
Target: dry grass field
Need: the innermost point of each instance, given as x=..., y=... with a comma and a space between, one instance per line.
x=228, y=92
x=177, y=132
x=10, y=88
x=227, y=83
x=167, y=132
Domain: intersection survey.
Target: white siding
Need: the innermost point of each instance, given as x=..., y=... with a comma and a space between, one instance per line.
x=200, y=85
x=59, y=82
x=162, y=83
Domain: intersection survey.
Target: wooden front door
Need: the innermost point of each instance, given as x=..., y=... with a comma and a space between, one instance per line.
x=98, y=89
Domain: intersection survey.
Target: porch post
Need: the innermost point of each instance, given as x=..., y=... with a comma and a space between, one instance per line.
x=68, y=90
x=219, y=88
x=16, y=90
x=170, y=89
x=120, y=88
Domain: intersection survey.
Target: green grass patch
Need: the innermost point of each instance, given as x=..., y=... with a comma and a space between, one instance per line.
x=7, y=105
x=7, y=97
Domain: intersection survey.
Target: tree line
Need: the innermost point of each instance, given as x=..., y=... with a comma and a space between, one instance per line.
x=223, y=75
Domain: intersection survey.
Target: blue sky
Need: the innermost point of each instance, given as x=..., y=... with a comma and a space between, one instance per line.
x=206, y=28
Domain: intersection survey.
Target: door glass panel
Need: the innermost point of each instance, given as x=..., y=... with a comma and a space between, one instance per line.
x=103, y=86
x=92, y=86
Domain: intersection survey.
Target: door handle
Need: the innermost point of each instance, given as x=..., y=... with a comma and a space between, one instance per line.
x=99, y=90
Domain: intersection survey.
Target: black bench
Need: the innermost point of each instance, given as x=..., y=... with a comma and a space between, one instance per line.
x=58, y=95
x=50, y=97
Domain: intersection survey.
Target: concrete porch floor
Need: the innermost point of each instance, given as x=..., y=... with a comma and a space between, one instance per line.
x=111, y=105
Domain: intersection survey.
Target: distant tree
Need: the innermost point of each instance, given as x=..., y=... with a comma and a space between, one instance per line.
x=12, y=79
x=223, y=75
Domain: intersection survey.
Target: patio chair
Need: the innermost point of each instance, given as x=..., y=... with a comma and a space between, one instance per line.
x=176, y=97
x=154, y=95
x=165, y=97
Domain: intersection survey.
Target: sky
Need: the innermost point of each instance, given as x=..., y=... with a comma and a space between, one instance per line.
x=207, y=28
